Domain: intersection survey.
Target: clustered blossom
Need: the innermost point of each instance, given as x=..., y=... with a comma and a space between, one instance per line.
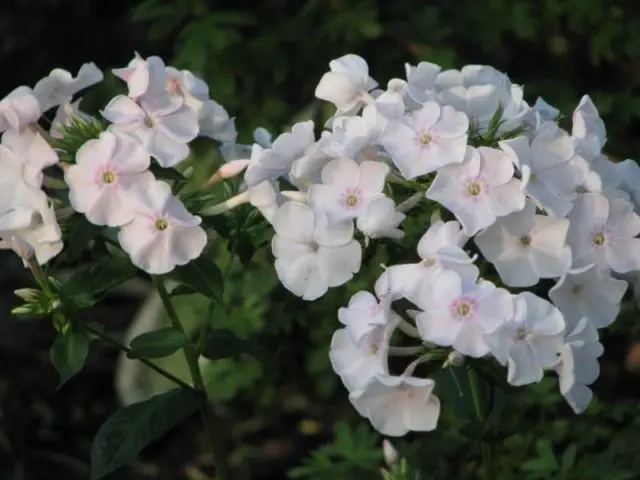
x=536, y=202
x=110, y=180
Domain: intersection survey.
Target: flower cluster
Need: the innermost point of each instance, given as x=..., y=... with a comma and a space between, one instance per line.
x=521, y=203
x=109, y=178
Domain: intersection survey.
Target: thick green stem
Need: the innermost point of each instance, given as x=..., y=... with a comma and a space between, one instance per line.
x=208, y=418
x=486, y=447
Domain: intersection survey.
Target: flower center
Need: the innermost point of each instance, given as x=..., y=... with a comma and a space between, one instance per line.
x=525, y=240
x=577, y=289
x=351, y=198
x=581, y=189
x=428, y=262
x=374, y=349
x=474, y=189
x=599, y=239
x=148, y=121
x=462, y=308
x=108, y=177
x=522, y=333
x=161, y=224
x=425, y=138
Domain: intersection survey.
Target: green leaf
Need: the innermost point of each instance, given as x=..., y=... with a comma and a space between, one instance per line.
x=89, y=284
x=223, y=343
x=130, y=429
x=203, y=276
x=68, y=353
x=80, y=233
x=157, y=344
x=166, y=173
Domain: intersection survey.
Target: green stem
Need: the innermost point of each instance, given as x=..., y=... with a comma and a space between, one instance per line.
x=208, y=418
x=112, y=341
x=486, y=448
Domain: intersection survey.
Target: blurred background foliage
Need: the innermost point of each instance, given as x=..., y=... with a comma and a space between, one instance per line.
x=262, y=61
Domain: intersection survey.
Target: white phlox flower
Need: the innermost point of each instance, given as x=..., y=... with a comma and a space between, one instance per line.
x=19, y=109
x=64, y=115
x=215, y=122
x=347, y=85
x=162, y=124
x=530, y=341
x=541, y=112
x=29, y=227
x=144, y=77
x=603, y=231
x=106, y=169
x=347, y=188
x=440, y=248
x=628, y=172
x=379, y=219
x=458, y=310
x=357, y=363
x=419, y=86
x=364, y=313
x=396, y=405
x=479, y=190
x=28, y=153
x=588, y=130
x=551, y=171
x=311, y=254
x=525, y=247
x=162, y=234
x=276, y=160
x=579, y=365
x=589, y=293
x=428, y=139
x=60, y=85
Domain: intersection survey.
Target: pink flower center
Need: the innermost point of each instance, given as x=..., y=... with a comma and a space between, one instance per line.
x=463, y=308
x=350, y=198
x=161, y=224
x=523, y=334
x=475, y=188
x=172, y=85
x=423, y=139
x=107, y=175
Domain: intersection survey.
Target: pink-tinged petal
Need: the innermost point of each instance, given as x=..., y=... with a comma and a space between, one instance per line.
x=129, y=156
x=518, y=151
x=187, y=243
x=421, y=415
x=326, y=198
x=438, y=327
x=167, y=151
x=123, y=110
x=496, y=168
x=470, y=341
x=426, y=117
x=96, y=151
x=157, y=78
x=523, y=366
x=34, y=150
x=180, y=126
x=337, y=89
x=302, y=277
x=19, y=109
x=338, y=264
x=332, y=234
x=623, y=254
x=507, y=198
x=372, y=179
x=341, y=173
x=295, y=221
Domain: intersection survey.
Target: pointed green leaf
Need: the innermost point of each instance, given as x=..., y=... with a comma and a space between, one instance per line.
x=157, y=344
x=222, y=343
x=132, y=428
x=203, y=276
x=68, y=353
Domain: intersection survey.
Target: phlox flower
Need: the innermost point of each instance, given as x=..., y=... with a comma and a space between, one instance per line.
x=28, y=153
x=479, y=190
x=602, y=231
x=66, y=112
x=144, y=76
x=396, y=405
x=458, y=310
x=579, y=365
x=428, y=139
x=357, y=362
x=105, y=170
x=529, y=341
x=312, y=255
x=419, y=86
x=525, y=247
x=347, y=85
x=589, y=293
x=162, y=124
x=60, y=85
x=364, y=313
x=19, y=109
x=379, y=219
x=162, y=234
x=347, y=188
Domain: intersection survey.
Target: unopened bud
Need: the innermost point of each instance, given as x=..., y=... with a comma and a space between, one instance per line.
x=410, y=202
x=390, y=453
x=27, y=294
x=295, y=196
x=25, y=309
x=227, y=205
x=455, y=359
x=228, y=170
x=188, y=172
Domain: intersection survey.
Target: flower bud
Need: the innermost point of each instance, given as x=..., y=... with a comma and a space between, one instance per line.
x=390, y=453
x=228, y=170
x=27, y=294
x=455, y=359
